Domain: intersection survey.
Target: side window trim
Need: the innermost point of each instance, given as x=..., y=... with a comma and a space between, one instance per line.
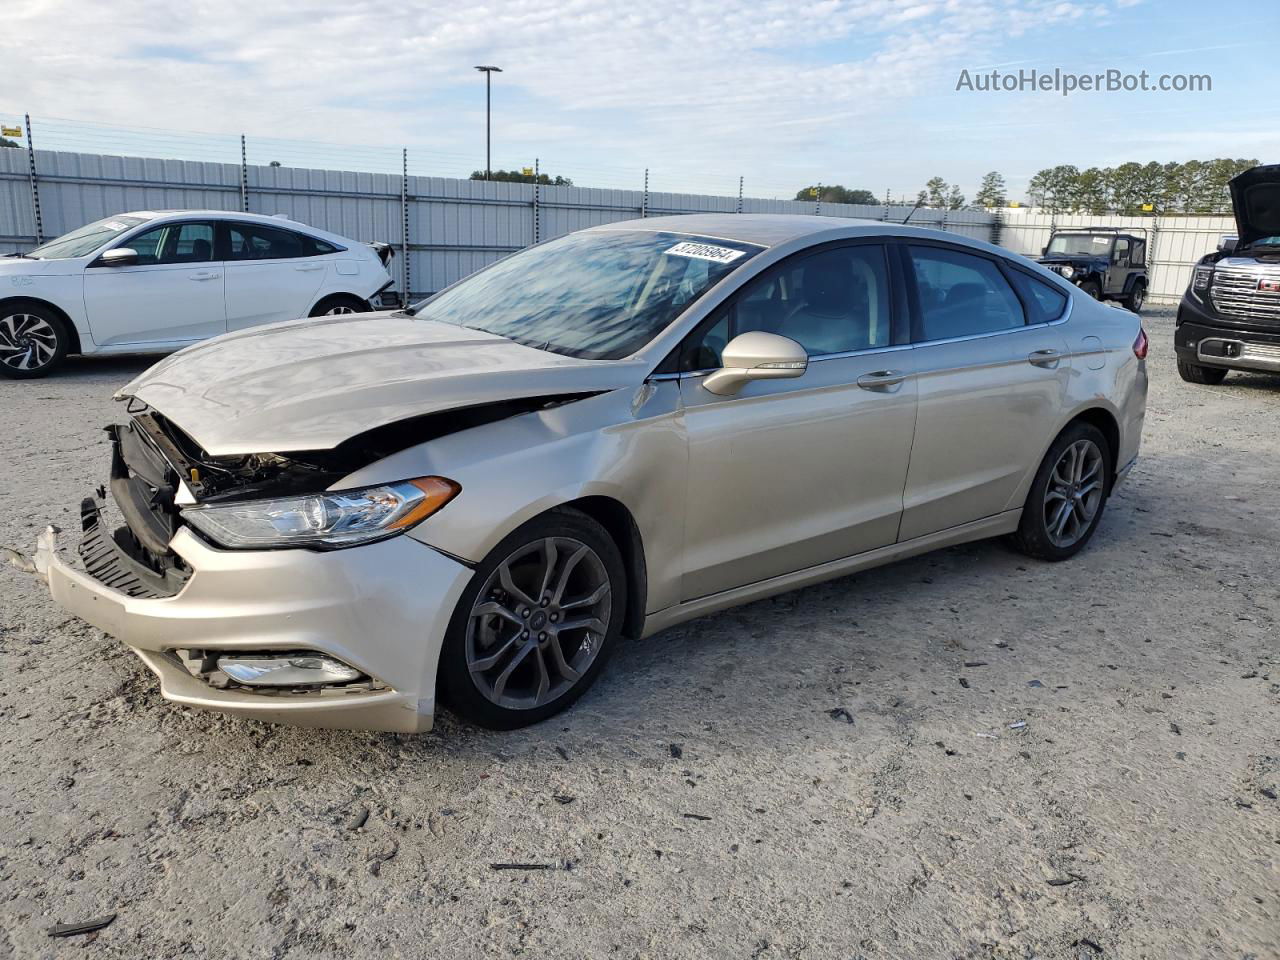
x=172, y=228
x=899, y=333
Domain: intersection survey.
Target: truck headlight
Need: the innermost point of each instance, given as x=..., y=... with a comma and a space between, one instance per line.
x=1200, y=279
x=340, y=518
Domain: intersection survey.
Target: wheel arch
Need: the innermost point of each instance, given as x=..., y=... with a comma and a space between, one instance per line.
x=327, y=298
x=72, y=332
x=1106, y=422
x=621, y=526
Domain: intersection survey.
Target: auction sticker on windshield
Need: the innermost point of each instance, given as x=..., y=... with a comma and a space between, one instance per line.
x=704, y=251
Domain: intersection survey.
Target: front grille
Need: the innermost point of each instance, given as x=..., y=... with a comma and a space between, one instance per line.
x=1235, y=293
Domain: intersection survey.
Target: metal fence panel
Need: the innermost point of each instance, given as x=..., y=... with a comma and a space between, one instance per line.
x=458, y=226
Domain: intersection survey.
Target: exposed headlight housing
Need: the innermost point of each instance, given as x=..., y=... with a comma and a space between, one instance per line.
x=1068, y=271
x=340, y=518
x=286, y=670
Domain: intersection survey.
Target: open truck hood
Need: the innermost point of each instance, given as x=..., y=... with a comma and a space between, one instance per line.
x=1255, y=200
x=311, y=384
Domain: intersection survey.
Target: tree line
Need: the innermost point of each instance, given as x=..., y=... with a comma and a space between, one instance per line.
x=1196, y=186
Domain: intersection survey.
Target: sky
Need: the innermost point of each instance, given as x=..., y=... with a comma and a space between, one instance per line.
x=783, y=93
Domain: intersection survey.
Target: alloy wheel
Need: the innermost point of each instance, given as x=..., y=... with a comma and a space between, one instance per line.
x=338, y=311
x=1074, y=493
x=27, y=342
x=538, y=623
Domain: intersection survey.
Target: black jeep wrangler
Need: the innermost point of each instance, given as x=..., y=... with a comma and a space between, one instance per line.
x=1229, y=318
x=1103, y=262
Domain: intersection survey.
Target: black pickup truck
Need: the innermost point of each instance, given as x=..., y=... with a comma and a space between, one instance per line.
x=1229, y=318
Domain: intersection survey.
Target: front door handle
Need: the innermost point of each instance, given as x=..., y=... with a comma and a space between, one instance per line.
x=308, y=267
x=881, y=380
x=1044, y=358
x=204, y=275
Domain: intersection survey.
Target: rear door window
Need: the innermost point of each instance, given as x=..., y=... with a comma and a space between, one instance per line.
x=961, y=294
x=252, y=241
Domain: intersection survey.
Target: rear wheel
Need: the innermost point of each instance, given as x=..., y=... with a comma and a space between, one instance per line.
x=1136, y=298
x=33, y=341
x=1068, y=495
x=340, y=304
x=536, y=624
x=1194, y=373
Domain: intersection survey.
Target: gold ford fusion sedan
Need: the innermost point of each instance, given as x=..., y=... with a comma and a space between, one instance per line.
x=334, y=521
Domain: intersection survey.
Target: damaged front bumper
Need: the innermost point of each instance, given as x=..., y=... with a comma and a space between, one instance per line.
x=382, y=608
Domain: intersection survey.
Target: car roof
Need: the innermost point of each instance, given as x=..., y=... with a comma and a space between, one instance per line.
x=276, y=220
x=776, y=229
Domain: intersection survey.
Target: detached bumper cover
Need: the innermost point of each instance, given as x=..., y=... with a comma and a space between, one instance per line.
x=382, y=608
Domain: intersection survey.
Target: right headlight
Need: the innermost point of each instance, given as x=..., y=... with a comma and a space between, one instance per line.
x=1200, y=279
x=340, y=518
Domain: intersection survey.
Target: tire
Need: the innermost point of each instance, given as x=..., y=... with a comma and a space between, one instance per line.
x=339, y=304
x=483, y=645
x=33, y=341
x=1036, y=535
x=1206, y=376
x=1092, y=288
x=1136, y=297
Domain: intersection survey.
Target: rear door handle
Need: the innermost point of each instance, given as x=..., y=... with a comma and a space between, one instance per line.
x=881, y=380
x=1044, y=358
x=204, y=275
x=308, y=267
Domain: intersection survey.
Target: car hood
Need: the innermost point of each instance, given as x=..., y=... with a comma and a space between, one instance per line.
x=1255, y=200
x=311, y=384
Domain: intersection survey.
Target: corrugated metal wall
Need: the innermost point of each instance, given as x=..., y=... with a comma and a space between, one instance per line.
x=457, y=226
x=1175, y=243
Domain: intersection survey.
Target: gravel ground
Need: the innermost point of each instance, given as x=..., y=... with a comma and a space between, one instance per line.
x=962, y=755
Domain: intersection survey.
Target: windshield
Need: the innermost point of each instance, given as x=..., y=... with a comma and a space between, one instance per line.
x=598, y=295
x=1080, y=245
x=79, y=243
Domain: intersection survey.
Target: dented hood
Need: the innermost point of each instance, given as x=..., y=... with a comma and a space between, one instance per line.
x=1255, y=199
x=311, y=384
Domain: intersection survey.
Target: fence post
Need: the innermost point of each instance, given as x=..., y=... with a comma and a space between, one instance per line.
x=404, y=227
x=244, y=177
x=644, y=202
x=739, y=210
x=537, y=195
x=1151, y=254
x=997, y=224
x=817, y=202
x=35, y=186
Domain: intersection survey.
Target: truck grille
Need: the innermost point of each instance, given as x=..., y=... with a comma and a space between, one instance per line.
x=1235, y=293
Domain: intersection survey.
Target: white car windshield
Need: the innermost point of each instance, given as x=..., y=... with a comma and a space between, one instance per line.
x=79, y=243
x=597, y=295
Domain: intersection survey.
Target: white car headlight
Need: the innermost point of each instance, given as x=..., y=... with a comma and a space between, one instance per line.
x=337, y=519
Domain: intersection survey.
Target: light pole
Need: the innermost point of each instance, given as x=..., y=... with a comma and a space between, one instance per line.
x=488, y=77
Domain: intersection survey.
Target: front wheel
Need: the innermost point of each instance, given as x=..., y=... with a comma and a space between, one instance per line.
x=33, y=341
x=1206, y=376
x=1068, y=495
x=1092, y=288
x=536, y=624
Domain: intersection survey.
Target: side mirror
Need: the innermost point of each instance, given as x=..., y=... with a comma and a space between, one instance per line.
x=119, y=257
x=756, y=356
x=1227, y=245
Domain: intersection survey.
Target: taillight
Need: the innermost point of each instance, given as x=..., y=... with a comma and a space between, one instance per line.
x=1141, y=344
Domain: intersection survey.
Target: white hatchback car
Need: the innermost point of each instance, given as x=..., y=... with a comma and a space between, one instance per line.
x=155, y=282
